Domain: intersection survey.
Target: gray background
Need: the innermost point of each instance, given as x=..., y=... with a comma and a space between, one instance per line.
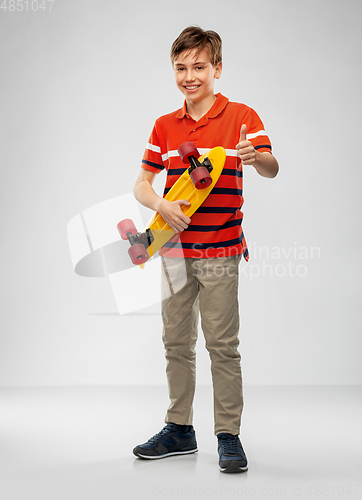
x=81, y=86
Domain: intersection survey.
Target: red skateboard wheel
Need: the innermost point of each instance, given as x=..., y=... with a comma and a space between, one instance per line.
x=201, y=177
x=188, y=149
x=126, y=226
x=138, y=253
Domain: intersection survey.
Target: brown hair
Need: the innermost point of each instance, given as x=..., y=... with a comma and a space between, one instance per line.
x=194, y=37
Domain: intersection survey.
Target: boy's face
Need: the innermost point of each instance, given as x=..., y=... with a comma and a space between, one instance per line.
x=195, y=75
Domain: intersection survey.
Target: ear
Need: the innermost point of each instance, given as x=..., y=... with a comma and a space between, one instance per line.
x=218, y=70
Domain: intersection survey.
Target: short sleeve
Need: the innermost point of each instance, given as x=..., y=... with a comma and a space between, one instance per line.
x=152, y=158
x=256, y=133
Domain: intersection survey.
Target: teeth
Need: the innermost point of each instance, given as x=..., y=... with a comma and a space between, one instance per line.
x=193, y=87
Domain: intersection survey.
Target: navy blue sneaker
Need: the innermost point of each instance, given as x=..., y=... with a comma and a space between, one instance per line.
x=173, y=439
x=231, y=453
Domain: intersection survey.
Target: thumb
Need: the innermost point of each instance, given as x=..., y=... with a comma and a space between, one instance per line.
x=243, y=131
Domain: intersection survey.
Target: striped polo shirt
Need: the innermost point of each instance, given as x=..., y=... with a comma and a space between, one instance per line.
x=216, y=227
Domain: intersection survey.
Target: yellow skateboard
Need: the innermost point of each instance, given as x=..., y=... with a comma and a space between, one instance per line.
x=194, y=185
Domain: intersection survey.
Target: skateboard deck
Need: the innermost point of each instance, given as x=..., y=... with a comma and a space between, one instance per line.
x=157, y=232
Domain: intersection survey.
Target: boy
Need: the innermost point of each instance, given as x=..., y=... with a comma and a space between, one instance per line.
x=211, y=245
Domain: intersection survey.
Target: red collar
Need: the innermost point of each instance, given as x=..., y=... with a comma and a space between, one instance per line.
x=218, y=106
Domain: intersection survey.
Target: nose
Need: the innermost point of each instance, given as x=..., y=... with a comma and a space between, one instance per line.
x=190, y=77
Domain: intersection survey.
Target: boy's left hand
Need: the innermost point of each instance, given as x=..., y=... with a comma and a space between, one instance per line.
x=245, y=148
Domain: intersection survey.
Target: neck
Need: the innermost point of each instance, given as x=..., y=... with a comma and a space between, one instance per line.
x=198, y=109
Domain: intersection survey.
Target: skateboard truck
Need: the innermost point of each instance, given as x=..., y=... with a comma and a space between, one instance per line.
x=145, y=238
x=194, y=163
x=199, y=172
x=139, y=241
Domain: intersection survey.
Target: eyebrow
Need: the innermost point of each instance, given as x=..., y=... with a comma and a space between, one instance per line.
x=194, y=64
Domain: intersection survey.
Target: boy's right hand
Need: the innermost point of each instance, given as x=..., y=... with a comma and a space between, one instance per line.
x=172, y=213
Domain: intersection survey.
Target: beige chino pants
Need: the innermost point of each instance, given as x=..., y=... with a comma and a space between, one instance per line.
x=211, y=288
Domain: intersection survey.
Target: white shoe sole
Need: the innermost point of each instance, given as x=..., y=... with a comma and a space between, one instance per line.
x=155, y=457
x=233, y=468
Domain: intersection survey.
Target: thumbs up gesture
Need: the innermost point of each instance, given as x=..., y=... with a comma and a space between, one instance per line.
x=245, y=148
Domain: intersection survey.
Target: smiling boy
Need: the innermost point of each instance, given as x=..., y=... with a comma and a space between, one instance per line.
x=210, y=245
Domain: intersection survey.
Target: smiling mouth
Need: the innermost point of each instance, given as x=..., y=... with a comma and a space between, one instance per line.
x=191, y=87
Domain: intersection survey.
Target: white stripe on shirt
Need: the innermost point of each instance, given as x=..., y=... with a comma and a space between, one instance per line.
x=202, y=151
x=169, y=154
x=255, y=134
x=174, y=153
x=151, y=147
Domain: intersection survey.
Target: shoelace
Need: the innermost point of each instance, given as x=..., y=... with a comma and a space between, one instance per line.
x=229, y=444
x=160, y=434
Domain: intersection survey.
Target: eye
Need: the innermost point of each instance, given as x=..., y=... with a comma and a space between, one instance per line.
x=180, y=69
x=199, y=67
